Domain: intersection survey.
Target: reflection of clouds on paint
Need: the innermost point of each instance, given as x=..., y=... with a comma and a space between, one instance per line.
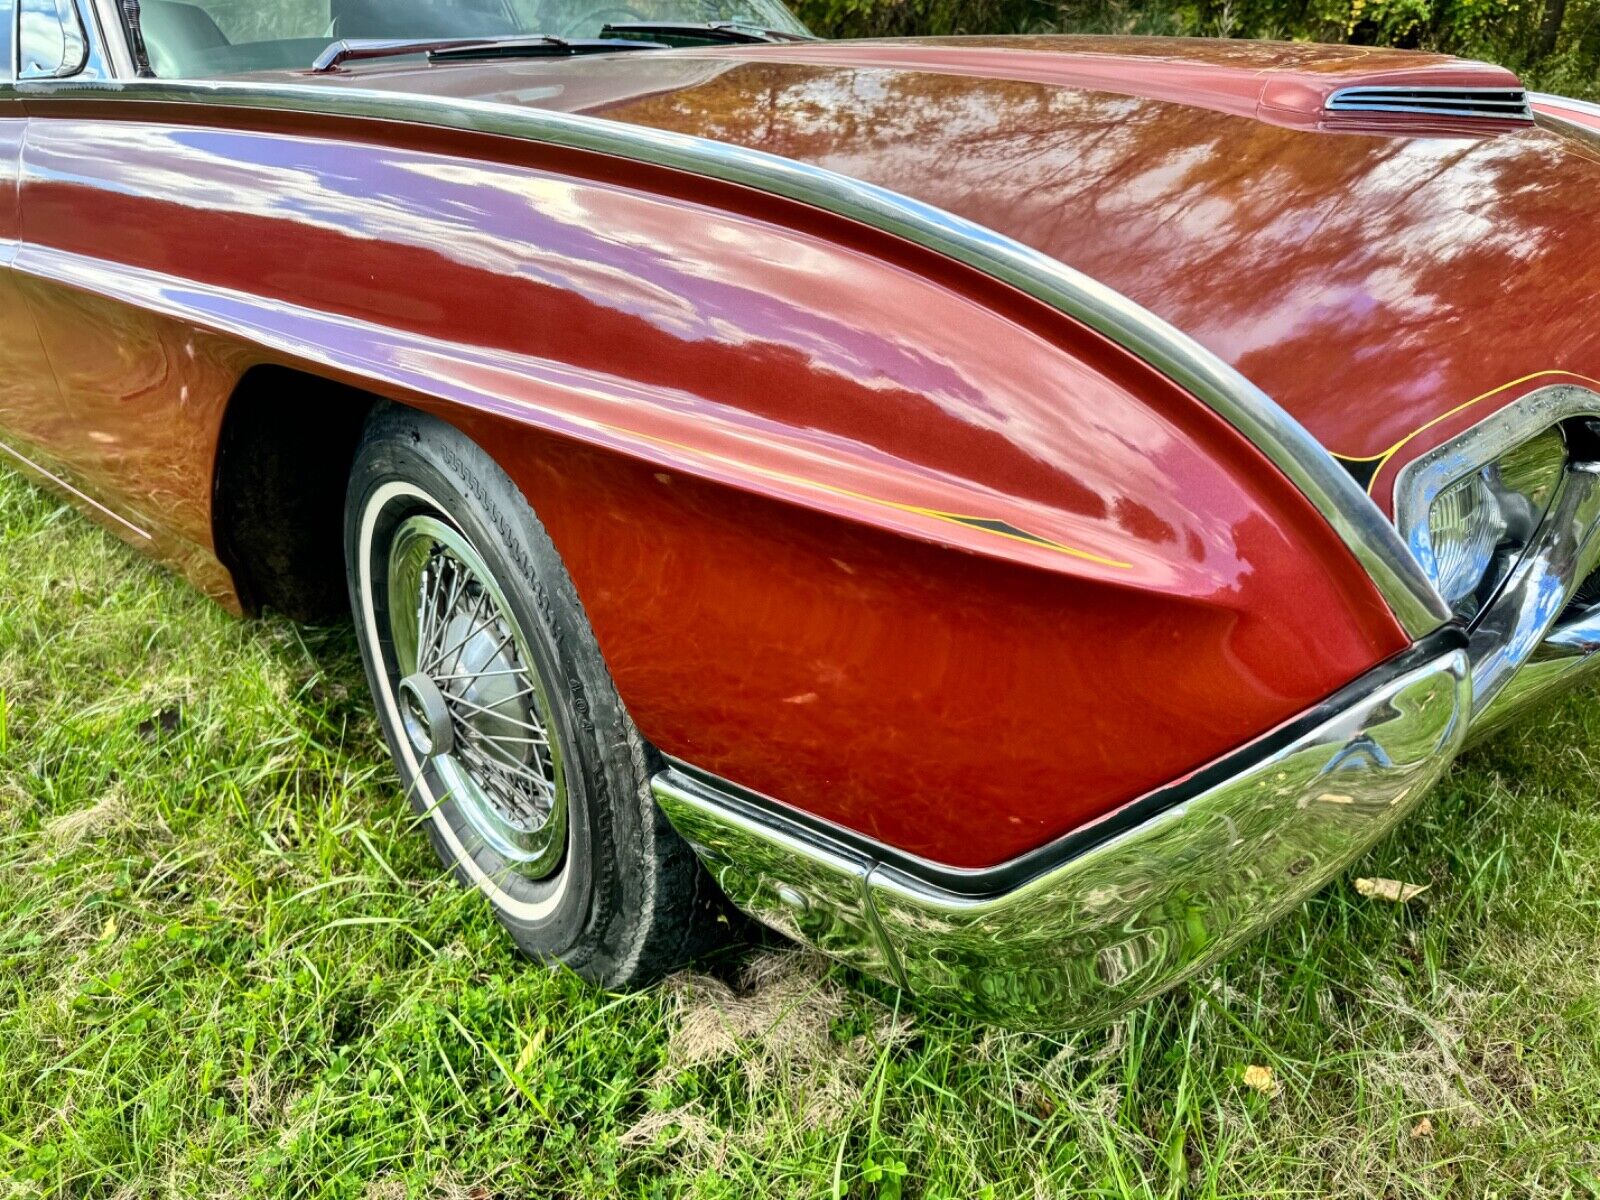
x=1290, y=253
x=49, y=37
x=496, y=219
x=820, y=348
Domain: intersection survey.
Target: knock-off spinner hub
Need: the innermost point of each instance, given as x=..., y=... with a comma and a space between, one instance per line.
x=425, y=716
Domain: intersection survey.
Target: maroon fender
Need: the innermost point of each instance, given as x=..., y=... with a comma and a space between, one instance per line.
x=1052, y=502
x=855, y=525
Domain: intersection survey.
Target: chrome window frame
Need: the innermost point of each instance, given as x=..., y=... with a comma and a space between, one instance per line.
x=93, y=64
x=107, y=15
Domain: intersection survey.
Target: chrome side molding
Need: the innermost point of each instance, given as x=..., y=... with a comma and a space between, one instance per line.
x=1546, y=100
x=1120, y=923
x=1363, y=528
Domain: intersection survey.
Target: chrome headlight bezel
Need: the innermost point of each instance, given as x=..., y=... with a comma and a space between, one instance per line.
x=1480, y=453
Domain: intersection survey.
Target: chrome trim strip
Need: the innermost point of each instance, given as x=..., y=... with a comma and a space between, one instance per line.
x=1486, y=103
x=1117, y=925
x=1568, y=114
x=1583, y=106
x=113, y=37
x=1285, y=442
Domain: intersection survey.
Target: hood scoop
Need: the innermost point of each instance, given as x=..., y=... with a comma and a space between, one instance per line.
x=1448, y=103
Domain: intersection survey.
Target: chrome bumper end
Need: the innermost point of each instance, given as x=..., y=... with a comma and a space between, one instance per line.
x=1114, y=925
x=1566, y=658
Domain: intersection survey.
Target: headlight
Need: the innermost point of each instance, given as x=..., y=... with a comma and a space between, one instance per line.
x=1479, y=524
x=1464, y=527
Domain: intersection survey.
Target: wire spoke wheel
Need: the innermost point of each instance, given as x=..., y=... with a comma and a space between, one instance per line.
x=511, y=741
x=471, y=703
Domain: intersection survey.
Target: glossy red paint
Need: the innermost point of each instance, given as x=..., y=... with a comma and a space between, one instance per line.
x=28, y=395
x=745, y=424
x=1368, y=283
x=1288, y=83
x=1276, y=83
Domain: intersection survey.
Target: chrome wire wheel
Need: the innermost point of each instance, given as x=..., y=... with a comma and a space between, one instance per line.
x=470, y=701
x=532, y=783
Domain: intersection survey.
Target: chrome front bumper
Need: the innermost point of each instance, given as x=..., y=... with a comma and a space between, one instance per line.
x=1565, y=658
x=1110, y=916
x=1107, y=926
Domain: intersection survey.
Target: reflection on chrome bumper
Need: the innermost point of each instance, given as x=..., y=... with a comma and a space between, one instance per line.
x=1117, y=923
x=1566, y=657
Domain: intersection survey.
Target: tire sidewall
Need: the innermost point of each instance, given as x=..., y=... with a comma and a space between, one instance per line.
x=410, y=463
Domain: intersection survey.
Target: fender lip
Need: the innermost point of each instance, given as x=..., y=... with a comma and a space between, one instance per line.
x=1287, y=444
x=1111, y=926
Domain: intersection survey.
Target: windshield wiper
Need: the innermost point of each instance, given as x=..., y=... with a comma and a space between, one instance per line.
x=462, y=49
x=543, y=45
x=733, y=32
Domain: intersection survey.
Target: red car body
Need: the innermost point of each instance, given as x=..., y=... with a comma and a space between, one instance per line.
x=868, y=532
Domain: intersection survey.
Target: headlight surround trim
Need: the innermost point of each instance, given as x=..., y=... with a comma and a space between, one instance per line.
x=1481, y=451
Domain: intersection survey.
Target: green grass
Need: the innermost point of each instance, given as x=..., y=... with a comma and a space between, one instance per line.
x=229, y=966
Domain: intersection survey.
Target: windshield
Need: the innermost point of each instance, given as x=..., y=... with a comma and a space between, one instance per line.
x=197, y=39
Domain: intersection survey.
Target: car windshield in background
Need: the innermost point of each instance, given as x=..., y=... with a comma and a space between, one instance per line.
x=198, y=39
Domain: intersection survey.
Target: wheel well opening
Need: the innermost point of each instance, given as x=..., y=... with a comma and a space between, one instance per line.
x=283, y=462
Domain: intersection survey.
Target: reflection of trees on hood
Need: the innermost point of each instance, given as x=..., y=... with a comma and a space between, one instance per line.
x=1293, y=254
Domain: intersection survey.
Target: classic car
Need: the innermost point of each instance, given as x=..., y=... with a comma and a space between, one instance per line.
x=1017, y=514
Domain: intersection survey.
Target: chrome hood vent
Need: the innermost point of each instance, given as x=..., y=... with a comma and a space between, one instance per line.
x=1451, y=103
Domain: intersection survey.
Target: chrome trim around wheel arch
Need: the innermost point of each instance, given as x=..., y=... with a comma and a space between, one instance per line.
x=1133, y=916
x=1285, y=442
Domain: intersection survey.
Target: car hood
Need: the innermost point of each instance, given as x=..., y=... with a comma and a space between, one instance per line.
x=1378, y=276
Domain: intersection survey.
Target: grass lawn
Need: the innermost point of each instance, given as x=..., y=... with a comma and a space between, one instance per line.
x=230, y=966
